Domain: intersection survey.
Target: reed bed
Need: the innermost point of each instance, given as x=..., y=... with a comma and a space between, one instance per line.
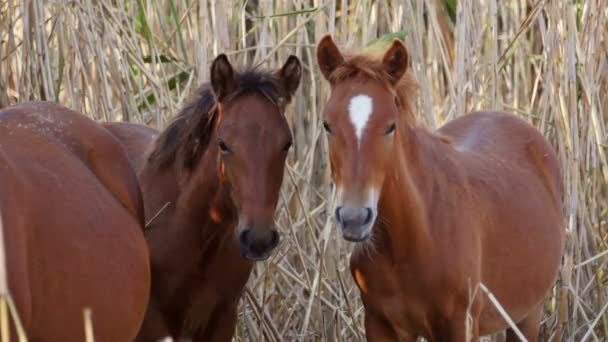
x=139, y=60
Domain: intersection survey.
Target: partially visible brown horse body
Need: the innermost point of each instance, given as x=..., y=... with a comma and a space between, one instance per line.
x=211, y=183
x=439, y=213
x=72, y=218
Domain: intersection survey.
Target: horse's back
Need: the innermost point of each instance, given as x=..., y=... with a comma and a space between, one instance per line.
x=515, y=177
x=136, y=139
x=85, y=140
x=505, y=137
x=72, y=220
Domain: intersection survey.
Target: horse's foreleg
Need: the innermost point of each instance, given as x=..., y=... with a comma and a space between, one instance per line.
x=378, y=329
x=221, y=326
x=153, y=327
x=529, y=326
x=461, y=327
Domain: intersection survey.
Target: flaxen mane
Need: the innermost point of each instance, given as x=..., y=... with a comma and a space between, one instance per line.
x=189, y=133
x=372, y=67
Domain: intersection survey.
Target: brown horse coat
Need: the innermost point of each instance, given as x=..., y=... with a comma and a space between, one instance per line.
x=436, y=214
x=211, y=182
x=72, y=215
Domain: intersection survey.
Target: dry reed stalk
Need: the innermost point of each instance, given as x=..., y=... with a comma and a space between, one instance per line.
x=88, y=325
x=7, y=306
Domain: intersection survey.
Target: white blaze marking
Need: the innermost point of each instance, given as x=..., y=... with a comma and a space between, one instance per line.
x=372, y=199
x=359, y=109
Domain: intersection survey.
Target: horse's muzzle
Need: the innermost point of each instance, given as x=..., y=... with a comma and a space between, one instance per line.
x=257, y=245
x=356, y=223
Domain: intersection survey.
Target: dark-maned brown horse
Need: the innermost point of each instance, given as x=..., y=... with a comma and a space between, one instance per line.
x=211, y=184
x=72, y=214
x=477, y=201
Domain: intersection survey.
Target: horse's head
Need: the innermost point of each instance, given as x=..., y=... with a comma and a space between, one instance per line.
x=253, y=138
x=361, y=119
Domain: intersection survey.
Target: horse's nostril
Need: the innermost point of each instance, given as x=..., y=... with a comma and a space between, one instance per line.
x=274, y=239
x=369, y=216
x=243, y=236
x=338, y=218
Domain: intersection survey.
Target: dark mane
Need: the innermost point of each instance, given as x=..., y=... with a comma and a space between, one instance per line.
x=371, y=67
x=189, y=133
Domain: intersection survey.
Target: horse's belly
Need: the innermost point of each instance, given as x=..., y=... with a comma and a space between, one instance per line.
x=115, y=289
x=519, y=274
x=96, y=259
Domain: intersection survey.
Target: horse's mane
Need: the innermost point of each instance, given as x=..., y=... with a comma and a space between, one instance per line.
x=368, y=65
x=190, y=131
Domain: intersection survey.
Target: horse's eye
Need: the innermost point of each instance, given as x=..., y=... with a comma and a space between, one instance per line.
x=326, y=126
x=223, y=147
x=288, y=146
x=390, y=129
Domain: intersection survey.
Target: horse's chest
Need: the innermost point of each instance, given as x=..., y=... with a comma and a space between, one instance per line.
x=209, y=294
x=202, y=306
x=401, y=305
x=206, y=303
x=405, y=315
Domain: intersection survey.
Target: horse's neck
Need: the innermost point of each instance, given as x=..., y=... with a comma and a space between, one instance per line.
x=192, y=246
x=185, y=210
x=404, y=233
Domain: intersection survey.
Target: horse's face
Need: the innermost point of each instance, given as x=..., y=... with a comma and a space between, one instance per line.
x=361, y=117
x=253, y=139
x=360, y=120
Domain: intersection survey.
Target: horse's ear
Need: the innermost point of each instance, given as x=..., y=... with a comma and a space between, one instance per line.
x=329, y=56
x=223, y=81
x=290, y=74
x=396, y=61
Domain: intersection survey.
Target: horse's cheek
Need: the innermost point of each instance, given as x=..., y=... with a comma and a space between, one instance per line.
x=335, y=164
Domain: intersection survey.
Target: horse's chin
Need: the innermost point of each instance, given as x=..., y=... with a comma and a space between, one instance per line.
x=359, y=237
x=254, y=258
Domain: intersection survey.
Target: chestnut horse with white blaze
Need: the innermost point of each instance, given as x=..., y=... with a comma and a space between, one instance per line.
x=72, y=221
x=211, y=183
x=438, y=213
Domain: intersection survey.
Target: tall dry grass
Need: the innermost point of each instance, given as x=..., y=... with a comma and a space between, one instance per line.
x=544, y=60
